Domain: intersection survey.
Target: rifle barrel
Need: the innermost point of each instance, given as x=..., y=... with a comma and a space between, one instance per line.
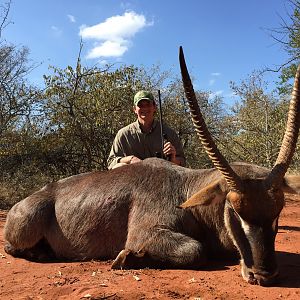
x=161, y=124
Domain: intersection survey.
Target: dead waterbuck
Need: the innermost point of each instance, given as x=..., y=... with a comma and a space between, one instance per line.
x=132, y=213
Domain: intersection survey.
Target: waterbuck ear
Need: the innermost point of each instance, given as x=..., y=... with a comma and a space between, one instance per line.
x=206, y=196
x=292, y=184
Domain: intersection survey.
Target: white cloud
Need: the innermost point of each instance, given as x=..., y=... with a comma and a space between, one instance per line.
x=114, y=35
x=108, y=49
x=115, y=27
x=71, y=18
x=215, y=74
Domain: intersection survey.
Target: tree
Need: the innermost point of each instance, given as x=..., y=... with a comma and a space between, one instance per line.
x=288, y=35
x=85, y=107
x=176, y=114
x=257, y=122
x=18, y=103
x=4, y=16
x=16, y=95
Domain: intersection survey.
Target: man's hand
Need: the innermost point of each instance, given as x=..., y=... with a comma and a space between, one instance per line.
x=169, y=150
x=130, y=159
x=134, y=159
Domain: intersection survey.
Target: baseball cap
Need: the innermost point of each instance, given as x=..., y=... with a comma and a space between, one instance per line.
x=142, y=95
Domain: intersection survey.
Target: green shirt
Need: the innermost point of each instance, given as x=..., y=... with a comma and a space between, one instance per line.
x=130, y=140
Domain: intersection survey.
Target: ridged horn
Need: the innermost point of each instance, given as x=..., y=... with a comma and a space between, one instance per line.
x=290, y=138
x=233, y=180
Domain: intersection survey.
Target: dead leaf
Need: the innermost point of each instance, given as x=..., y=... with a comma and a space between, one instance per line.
x=136, y=278
x=103, y=284
x=192, y=280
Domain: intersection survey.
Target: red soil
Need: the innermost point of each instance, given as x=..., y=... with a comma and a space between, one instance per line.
x=21, y=279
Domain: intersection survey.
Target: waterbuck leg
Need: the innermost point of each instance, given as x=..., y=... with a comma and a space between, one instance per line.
x=26, y=225
x=39, y=252
x=162, y=248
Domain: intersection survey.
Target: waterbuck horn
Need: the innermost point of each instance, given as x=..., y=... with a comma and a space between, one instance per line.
x=289, y=141
x=232, y=179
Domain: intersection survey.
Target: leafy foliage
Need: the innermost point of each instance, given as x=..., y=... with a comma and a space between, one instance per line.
x=84, y=108
x=259, y=121
x=71, y=125
x=68, y=127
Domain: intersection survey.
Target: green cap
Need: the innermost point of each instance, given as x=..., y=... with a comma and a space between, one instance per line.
x=142, y=95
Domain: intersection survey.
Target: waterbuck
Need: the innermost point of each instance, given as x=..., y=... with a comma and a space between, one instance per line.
x=137, y=214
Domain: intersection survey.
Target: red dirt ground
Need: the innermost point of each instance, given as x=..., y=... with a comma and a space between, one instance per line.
x=21, y=279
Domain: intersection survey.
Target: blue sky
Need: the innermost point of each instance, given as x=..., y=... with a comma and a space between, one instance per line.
x=222, y=40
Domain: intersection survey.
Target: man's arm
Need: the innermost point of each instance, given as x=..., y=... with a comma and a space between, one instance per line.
x=117, y=153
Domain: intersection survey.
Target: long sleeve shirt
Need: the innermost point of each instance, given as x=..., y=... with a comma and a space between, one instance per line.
x=130, y=140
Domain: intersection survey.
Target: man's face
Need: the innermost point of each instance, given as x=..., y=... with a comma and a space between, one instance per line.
x=145, y=110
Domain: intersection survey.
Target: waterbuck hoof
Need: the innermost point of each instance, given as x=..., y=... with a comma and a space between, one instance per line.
x=119, y=261
x=127, y=258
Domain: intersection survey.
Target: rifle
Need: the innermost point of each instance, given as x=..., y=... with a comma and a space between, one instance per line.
x=162, y=134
